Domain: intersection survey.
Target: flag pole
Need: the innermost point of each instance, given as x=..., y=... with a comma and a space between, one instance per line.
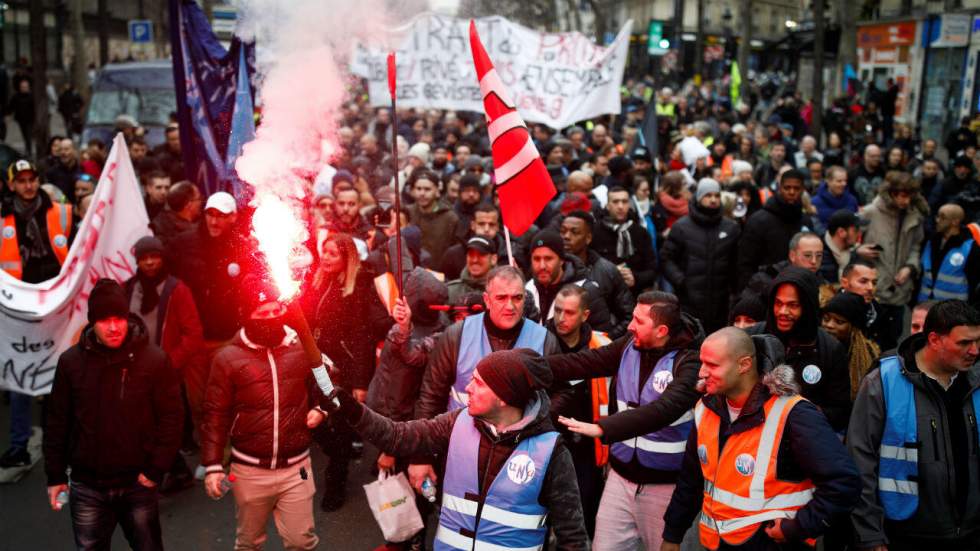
x=394, y=164
x=510, y=251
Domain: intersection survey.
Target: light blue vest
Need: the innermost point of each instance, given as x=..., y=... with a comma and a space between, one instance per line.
x=474, y=346
x=951, y=280
x=663, y=449
x=510, y=516
x=898, y=454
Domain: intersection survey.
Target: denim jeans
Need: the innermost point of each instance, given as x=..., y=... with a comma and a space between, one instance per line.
x=20, y=419
x=95, y=513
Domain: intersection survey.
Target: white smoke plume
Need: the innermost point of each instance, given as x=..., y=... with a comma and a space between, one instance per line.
x=302, y=55
x=303, y=48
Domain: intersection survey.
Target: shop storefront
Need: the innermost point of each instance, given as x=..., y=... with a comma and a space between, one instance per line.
x=890, y=51
x=945, y=39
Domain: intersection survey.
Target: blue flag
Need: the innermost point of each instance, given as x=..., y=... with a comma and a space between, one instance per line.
x=214, y=100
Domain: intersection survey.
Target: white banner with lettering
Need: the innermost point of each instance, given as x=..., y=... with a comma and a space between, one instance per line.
x=555, y=78
x=39, y=322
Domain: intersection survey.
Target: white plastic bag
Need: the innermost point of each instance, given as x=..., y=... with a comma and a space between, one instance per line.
x=392, y=502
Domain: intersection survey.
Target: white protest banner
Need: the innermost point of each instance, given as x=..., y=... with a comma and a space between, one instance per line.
x=555, y=78
x=38, y=322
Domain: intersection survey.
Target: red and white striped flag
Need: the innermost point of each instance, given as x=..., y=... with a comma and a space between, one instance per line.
x=523, y=183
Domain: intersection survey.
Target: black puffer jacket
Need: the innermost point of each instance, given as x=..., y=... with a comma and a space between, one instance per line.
x=113, y=414
x=246, y=392
x=573, y=271
x=677, y=399
x=395, y=386
x=818, y=359
x=613, y=290
x=425, y=437
x=203, y=263
x=699, y=261
x=765, y=237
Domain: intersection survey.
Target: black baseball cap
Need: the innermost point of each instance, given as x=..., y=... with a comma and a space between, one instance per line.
x=481, y=244
x=844, y=218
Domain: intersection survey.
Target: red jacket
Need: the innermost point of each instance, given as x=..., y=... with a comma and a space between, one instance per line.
x=249, y=388
x=178, y=329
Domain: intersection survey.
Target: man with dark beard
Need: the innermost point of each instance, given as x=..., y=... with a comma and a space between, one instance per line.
x=817, y=358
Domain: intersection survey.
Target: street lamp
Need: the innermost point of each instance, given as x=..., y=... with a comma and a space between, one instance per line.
x=791, y=25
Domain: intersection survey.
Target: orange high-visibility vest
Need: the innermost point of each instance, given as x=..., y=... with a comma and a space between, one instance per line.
x=59, y=228
x=387, y=289
x=764, y=194
x=726, y=166
x=600, y=399
x=741, y=491
x=974, y=231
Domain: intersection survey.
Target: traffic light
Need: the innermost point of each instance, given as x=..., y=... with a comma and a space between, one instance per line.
x=657, y=43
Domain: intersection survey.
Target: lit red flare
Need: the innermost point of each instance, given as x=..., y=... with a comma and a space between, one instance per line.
x=281, y=235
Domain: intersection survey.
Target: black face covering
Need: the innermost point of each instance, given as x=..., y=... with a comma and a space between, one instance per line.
x=265, y=332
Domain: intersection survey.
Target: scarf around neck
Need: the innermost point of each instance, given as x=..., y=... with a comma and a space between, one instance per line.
x=32, y=244
x=624, y=243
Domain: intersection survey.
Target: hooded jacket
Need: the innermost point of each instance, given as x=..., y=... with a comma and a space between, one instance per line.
x=395, y=386
x=808, y=449
x=465, y=285
x=699, y=261
x=574, y=272
x=900, y=234
x=113, y=414
x=678, y=398
x=949, y=467
x=818, y=359
x=766, y=235
x=431, y=437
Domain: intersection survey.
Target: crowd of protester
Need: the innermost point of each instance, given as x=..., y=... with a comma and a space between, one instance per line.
x=733, y=251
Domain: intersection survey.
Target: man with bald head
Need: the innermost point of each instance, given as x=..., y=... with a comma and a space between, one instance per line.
x=950, y=259
x=754, y=429
x=864, y=180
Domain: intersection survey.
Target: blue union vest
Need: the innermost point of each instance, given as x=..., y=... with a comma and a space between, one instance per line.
x=663, y=449
x=951, y=280
x=898, y=454
x=510, y=516
x=474, y=346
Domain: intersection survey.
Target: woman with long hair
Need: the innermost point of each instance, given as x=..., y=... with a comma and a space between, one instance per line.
x=845, y=316
x=348, y=323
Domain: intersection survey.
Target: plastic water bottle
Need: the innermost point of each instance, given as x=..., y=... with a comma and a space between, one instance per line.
x=429, y=490
x=226, y=483
x=61, y=500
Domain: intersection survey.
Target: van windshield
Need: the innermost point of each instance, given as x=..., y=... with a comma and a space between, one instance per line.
x=148, y=95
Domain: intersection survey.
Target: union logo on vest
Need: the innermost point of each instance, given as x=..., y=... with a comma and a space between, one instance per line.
x=520, y=469
x=745, y=464
x=812, y=374
x=8, y=232
x=660, y=380
x=956, y=259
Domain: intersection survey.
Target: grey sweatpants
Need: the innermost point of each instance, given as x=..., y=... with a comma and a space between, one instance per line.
x=631, y=516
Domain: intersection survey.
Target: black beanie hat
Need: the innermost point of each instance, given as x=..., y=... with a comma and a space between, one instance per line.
x=256, y=291
x=507, y=376
x=749, y=305
x=107, y=299
x=850, y=307
x=550, y=239
x=147, y=245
